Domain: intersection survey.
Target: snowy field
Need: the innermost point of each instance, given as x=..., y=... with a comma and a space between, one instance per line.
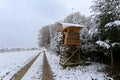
x=11, y=62
x=91, y=72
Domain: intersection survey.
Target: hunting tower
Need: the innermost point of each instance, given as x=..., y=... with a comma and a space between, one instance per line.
x=70, y=51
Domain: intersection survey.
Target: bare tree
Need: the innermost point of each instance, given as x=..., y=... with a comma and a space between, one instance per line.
x=44, y=37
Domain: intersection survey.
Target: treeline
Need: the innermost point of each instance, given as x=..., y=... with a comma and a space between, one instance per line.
x=16, y=49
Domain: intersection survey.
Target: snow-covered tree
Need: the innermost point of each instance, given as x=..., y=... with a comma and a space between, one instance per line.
x=86, y=44
x=113, y=28
x=56, y=43
x=112, y=33
x=78, y=18
x=105, y=11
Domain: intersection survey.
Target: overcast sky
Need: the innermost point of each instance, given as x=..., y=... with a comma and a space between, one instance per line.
x=20, y=20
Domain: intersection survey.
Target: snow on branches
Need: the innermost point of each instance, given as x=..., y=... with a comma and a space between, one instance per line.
x=103, y=44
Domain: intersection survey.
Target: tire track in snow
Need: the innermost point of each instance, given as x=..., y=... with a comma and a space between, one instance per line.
x=21, y=73
x=35, y=71
x=47, y=73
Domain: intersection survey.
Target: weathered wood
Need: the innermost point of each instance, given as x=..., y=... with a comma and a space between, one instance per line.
x=72, y=42
x=71, y=36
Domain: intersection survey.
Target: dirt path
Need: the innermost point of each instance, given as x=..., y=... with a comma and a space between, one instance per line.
x=47, y=73
x=21, y=73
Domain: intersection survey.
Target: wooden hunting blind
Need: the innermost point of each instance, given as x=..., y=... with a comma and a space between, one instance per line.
x=70, y=51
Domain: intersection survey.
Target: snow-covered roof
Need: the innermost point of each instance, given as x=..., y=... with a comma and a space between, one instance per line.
x=65, y=25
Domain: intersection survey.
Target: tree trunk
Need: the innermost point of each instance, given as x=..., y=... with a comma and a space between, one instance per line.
x=112, y=62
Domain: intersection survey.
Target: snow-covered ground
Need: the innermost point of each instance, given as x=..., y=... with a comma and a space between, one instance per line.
x=92, y=72
x=35, y=71
x=11, y=62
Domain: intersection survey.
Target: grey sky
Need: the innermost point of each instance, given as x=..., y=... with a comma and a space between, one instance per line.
x=20, y=20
